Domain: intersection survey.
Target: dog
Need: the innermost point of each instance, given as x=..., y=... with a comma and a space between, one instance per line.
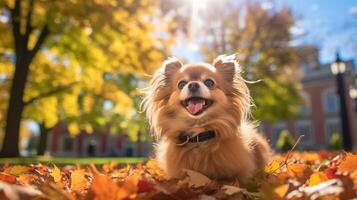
x=199, y=115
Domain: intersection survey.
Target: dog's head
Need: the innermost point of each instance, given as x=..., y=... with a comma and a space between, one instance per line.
x=181, y=97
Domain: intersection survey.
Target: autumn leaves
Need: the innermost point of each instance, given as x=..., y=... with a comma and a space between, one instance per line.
x=306, y=175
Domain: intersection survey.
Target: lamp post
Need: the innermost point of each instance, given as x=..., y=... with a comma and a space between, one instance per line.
x=338, y=68
x=353, y=91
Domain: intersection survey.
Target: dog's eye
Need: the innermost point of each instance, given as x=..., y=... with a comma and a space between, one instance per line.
x=209, y=83
x=181, y=84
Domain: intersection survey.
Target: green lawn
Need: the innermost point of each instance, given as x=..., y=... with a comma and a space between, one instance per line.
x=70, y=160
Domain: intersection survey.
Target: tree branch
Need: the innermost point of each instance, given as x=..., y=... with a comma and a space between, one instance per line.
x=29, y=27
x=49, y=93
x=43, y=35
x=15, y=22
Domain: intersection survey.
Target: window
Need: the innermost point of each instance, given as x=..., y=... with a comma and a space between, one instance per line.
x=331, y=102
x=305, y=109
x=277, y=130
x=68, y=144
x=305, y=128
x=332, y=126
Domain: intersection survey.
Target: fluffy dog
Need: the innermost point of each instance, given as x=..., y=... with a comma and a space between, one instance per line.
x=198, y=113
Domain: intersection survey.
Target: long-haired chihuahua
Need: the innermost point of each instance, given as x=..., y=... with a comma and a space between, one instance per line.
x=199, y=115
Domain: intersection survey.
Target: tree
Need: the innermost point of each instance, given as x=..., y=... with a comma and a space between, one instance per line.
x=261, y=37
x=61, y=51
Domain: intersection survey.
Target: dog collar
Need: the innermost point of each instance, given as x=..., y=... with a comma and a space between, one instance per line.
x=201, y=137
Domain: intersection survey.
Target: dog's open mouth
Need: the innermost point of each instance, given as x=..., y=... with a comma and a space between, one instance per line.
x=196, y=105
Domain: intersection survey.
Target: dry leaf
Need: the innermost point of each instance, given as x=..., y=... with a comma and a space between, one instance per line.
x=281, y=191
x=56, y=174
x=317, y=178
x=300, y=172
x=17, y=170
x=273, y=167
x=349, y=164
x=27, y=179
x=229, y=189
x=78, y=180
x=196, y=179
x=7, y=178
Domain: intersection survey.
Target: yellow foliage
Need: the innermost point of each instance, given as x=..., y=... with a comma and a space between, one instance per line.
x=73, y=128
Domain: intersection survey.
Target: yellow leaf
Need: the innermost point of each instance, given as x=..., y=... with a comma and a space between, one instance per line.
x=17, y=170
x=196, y=179
x=27, y=179
x=317, y=178
x=56, y=174
x=281, y=190
x=78, y=180
x=273, y=167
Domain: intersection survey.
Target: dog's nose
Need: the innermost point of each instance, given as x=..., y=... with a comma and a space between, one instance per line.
x=193, y=87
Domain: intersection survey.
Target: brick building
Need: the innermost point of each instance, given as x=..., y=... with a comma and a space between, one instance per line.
x=319, y=118
x=60, y=143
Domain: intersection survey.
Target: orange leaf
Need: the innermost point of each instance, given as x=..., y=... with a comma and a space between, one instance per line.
x=299, y=171
x=56, y=174
x=353, y=176
x=78, y=180
x=27, y=179
x=103, y=188
x=349, y=164
x=7, y=178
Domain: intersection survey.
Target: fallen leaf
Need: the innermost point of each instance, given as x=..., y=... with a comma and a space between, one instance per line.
x=56, y=174
x=17, y=192
x=317, y=178
x=353, y=176
x=300, y=172
x=78, y=180
x=51, y=191
x=196, y=179
x=27, y=179
x=7, y=178
x=349, y=164
x=17, y=170
x=229, y=189
x=281, y=190
x=273, y=167
x=103, y=188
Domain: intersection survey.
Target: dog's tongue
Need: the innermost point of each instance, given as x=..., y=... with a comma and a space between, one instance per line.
x=195, y=106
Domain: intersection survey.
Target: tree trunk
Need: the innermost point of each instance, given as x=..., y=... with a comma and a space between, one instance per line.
x=24, y=57
x=42, y=143
x=10, y=147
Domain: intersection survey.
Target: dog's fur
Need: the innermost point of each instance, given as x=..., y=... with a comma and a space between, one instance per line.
x=237, y=151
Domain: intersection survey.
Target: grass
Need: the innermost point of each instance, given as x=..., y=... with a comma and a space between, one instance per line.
x=70, y=160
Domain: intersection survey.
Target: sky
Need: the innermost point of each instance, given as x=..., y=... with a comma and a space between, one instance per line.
x=331, y=25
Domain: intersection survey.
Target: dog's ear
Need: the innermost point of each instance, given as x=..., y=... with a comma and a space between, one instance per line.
x=227, y=65
x=171, y=66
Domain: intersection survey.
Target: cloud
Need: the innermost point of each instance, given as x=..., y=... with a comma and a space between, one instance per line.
x=297, y=31
x=353, y=10
x=267, y=5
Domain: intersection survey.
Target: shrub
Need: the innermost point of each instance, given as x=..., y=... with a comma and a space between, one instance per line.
x=285, y=141
x=335, y=142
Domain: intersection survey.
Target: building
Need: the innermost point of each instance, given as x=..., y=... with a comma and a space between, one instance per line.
x=319, y=118
x=61, y=143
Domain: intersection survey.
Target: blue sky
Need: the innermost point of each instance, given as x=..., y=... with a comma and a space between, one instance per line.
x=328, y=24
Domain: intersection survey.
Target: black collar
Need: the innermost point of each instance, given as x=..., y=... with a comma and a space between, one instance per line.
x=201, y=137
